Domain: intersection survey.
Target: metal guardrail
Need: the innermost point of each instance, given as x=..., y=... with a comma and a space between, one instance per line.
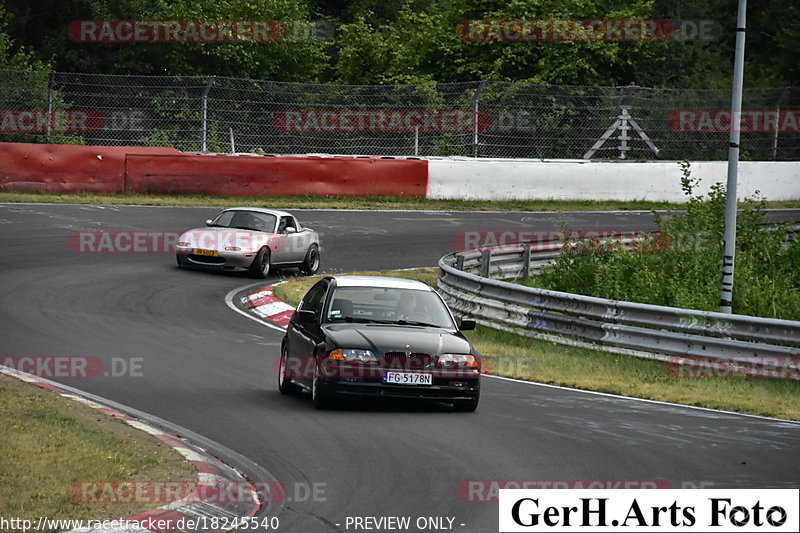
x=466, y=281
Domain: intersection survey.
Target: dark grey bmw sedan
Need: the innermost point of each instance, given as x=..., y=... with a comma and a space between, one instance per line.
x=378, y=337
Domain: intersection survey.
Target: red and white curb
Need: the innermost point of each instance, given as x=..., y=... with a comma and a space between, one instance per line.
x=213, y=477
x=264, y=305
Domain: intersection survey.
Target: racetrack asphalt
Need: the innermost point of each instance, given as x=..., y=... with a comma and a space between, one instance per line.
x=210, y=370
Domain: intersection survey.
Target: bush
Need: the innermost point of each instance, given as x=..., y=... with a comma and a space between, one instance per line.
x=685, y=269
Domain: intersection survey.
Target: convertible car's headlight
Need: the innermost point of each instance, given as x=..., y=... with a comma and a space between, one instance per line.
x=184, y=244
x=457, y=360
x=352, y=355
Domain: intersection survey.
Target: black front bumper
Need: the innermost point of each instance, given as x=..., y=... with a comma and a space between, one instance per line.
x=443, y=389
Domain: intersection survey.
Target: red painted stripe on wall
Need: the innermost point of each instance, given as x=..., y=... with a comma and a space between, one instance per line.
x=275, y=176
x=67, y=168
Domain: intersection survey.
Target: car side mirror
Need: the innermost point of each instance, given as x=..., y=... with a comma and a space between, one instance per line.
x=290, y=230
x=209, y=222
x=467, y=324
x=304, y=316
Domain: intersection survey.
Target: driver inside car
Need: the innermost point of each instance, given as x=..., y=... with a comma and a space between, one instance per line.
x=406, y=306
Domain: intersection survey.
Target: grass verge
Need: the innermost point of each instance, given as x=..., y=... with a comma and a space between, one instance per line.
x=336, y=202
x=517, y=356
x=50, y=442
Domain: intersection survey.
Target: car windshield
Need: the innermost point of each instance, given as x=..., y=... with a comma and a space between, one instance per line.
x=252, y=220
x=386, y=305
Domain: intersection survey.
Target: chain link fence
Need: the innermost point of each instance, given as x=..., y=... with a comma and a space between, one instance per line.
x=473, y=119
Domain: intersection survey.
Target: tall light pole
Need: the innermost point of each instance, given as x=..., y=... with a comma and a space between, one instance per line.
x=728, y=255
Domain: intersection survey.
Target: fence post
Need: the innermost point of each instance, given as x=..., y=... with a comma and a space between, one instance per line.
x=460, y=262
x=624, y=123
x=49, y=106
x=486, y=261
x=625, y=104
x=204, y=114
x=475, y=100
x=781, y=98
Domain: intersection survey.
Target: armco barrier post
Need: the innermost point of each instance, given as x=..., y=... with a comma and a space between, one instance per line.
x=526, y=260
x=460, y=262
x=486, y=261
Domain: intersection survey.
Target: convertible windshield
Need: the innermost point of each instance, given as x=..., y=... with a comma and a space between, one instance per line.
x=252, y=220
x=383, y=305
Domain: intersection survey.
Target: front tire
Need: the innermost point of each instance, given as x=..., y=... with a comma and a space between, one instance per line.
x=285, y=385
x=261, y=266
x=311, y=264
x=319, y=398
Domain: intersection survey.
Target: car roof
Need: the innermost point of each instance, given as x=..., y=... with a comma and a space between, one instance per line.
x=380, y=282
x=274, y=212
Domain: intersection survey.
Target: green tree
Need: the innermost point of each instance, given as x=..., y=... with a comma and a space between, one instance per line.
x=425, y=44
x=44, y=24
x=13, y=57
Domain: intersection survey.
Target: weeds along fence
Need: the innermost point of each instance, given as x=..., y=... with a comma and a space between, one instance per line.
x=473, y=284
x=474, y=119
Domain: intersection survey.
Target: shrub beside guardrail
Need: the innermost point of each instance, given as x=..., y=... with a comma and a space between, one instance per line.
x=467, y=282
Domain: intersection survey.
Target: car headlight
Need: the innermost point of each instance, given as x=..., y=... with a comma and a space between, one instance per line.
x=232, y=248
x=184, y=244
x=352, y=355
x=457, y=360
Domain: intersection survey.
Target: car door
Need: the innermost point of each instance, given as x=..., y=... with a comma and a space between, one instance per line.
x=302, y=337
x=305, y=238
x=295, y=241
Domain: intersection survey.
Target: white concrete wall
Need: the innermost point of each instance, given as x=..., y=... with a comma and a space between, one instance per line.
x=504, y=179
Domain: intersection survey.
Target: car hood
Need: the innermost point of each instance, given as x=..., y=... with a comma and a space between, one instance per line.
x=391, y=338
x=218, y=238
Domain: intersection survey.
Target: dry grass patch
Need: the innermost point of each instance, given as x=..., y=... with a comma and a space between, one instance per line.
x=49, y=442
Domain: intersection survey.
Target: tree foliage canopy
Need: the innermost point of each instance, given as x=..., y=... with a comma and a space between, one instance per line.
x=411, y=41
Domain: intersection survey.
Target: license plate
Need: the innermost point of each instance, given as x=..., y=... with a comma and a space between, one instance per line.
x=408, y=378
x=200, y=251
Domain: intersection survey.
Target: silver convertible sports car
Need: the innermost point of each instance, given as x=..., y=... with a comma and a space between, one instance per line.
x=250, y=238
